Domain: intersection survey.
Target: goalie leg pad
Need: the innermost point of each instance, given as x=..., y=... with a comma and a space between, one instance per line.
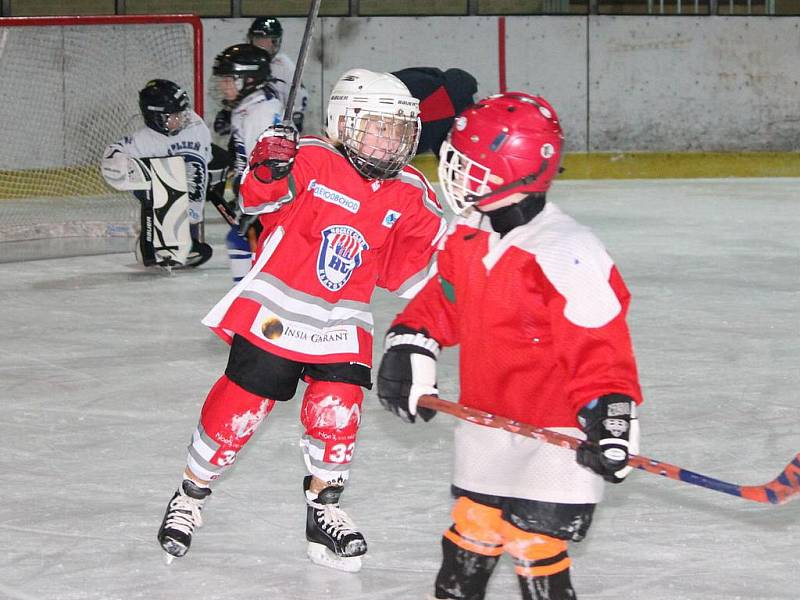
x=165, y=239
x=228, y=420
x=331, y=415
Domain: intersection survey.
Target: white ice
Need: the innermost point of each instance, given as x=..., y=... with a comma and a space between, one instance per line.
x=104, y=368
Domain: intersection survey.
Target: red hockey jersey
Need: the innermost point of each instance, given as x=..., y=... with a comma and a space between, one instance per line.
x=330, y=236
x=539, y=315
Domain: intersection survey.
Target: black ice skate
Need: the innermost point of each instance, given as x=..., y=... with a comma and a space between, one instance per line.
x=333, y=540
x=199, y=254
x=181, y=519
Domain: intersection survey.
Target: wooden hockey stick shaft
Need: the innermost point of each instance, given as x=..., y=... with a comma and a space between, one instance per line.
x=782, y=489
x=313, y=10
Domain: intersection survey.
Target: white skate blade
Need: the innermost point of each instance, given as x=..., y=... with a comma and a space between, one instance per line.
x=321, y=555
x=168, y=558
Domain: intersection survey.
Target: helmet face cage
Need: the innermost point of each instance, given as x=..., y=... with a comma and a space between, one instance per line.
x=460, y=176
x=379, y=144
x=164, y=106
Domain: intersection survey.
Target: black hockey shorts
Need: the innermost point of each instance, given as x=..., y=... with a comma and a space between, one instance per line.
x=562, y=521
x=274, y=377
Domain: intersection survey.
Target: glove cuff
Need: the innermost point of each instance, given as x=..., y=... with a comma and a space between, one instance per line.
x=416, y=341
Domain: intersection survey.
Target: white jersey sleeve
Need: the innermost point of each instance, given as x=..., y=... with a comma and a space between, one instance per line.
x=283, y=68
x=248, y=121
x=192, y=143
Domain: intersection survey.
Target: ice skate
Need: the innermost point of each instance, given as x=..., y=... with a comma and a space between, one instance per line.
x=181, y=519
x=333, y=540
x=198, y=255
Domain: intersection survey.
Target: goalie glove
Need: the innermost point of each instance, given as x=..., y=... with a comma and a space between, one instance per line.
x=274, y=152
x=612, y=431
x=124, y=172
x=407, y=371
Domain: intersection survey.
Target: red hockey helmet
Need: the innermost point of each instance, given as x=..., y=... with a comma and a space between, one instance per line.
x=505, y=144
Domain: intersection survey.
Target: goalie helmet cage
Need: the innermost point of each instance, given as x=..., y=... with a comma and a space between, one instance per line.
x=70, y=87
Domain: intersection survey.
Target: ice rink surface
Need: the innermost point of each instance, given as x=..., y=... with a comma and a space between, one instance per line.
x=104, y=368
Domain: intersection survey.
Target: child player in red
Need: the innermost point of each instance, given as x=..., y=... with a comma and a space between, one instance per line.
x=341, y=216
x=538, y=309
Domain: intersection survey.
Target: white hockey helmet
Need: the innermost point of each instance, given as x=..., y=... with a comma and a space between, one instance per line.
x=376, y=119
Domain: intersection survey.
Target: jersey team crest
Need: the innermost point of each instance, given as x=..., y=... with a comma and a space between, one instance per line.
x=339, y=255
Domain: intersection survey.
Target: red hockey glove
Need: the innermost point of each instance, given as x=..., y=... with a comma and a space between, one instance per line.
x=612, y=430
x=273, y=156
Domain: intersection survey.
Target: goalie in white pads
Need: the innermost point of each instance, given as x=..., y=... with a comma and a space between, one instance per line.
x=172, y=197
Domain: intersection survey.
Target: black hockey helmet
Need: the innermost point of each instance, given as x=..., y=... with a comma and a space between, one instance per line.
x=248, y=65
x=266, y=27
x=159, y=99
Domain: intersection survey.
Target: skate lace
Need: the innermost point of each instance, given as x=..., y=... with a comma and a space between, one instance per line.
x=335, y=520
x=184, y=514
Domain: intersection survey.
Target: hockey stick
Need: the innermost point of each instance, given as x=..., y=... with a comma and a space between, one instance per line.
x=222, y=207
x=782, y=489
x=301, y=61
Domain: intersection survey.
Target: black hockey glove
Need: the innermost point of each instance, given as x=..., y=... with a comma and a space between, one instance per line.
x=297, y=119
x=222, y=122
x=274, y=152
x=407, y=371
x=612, y=431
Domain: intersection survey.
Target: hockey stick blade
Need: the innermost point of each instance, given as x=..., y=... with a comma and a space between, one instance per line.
x=313, y=10
x=782, y=489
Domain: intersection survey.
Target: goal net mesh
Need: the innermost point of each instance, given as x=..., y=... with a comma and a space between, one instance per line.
x=68, y=91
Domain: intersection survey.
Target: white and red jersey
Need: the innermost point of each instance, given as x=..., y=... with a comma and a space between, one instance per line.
x=539, y=315
x=330, y=236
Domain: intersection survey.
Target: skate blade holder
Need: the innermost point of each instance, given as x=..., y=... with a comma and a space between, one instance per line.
x=321, y=555
x=172, y=551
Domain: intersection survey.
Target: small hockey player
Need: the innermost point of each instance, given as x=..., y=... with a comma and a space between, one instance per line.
x=172, y=128
x=242, y=77
x=267, y=33
x=340, y=215
x=538, y=309
x=442, y=95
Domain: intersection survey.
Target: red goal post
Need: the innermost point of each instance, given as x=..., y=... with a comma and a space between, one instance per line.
x=70, y=87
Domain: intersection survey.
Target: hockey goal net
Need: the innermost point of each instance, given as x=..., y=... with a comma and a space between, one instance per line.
x=69, y=88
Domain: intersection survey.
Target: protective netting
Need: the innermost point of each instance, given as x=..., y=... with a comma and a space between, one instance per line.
x=67, y=92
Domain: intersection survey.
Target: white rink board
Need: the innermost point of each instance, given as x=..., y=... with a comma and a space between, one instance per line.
x=619, y=83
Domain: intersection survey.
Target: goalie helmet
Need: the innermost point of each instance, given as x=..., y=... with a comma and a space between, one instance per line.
x=165, y=106
x=376, y=120
x=506, y=144
x=266, y=33
x=247, y=66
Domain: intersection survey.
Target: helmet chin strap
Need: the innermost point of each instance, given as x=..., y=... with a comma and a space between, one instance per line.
x=528, y=179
